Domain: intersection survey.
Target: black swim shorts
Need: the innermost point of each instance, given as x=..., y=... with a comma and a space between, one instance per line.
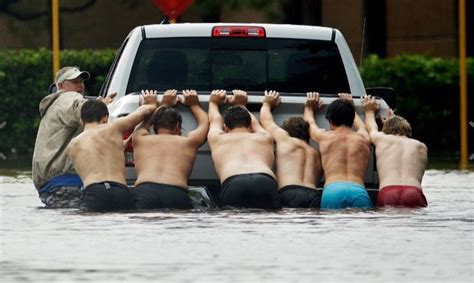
x=300, y=196
x=106, y=196
x=256, y=190
x=150, y=195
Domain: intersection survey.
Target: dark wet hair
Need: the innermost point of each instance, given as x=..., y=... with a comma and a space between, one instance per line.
x=93, y=110
x=166, y=118
x=236, y=116
x=341, y=112
x=296, y=127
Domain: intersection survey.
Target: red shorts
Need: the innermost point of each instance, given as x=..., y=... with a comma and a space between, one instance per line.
x=407, y=196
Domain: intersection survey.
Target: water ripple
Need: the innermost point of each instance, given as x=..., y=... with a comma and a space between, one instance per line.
x=430, y=244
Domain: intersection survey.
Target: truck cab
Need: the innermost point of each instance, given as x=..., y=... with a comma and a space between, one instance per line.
x=253, y=57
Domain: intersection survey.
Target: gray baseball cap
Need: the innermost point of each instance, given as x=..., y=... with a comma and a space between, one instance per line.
x=71, y=73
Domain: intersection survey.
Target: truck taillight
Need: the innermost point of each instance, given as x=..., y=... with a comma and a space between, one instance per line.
x=128, y=152
x=238, y=31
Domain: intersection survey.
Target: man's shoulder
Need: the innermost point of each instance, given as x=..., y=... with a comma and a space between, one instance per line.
x=417, y=143
x=381, y=137
x=154, y=138
x=356, y=139
x=294, y=142
x=69, y=99
x=289, y=143
x=242, y=136
x=77, y=140
x=342, y=134
x=397, y=139
x=260, y=136
x=70, y=95
x=109, y=129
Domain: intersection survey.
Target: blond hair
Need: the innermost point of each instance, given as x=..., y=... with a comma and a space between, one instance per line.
x=397, y=125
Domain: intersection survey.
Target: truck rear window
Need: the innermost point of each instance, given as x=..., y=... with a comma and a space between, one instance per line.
x=251, y=64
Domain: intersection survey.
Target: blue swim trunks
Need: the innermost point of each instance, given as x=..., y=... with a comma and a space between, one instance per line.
x=345, y=194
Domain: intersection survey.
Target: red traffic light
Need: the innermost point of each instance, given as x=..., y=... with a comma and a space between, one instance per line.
x=172, y=8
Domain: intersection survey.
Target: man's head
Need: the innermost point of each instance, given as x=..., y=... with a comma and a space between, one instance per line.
x=397, y=125
x=341, y=112
x=167, y=118
x=71, y=79
x=236, y=117
x=94, y=111
x=296, y=127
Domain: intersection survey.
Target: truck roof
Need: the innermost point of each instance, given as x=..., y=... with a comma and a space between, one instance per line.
x=205, y=30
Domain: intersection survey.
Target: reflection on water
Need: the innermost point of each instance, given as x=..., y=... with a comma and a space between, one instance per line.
x=435, y=243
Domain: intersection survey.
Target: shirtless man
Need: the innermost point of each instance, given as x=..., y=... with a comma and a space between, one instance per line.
x=298, y=165
x=164, y=161
x=97, y=155
x=344, y=153
x=242, y=152
x=401, y=160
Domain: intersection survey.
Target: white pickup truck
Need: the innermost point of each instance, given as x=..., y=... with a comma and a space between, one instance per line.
x=254, y=57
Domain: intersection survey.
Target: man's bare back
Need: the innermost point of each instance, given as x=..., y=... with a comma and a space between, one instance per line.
x=167, y=157
x=243, y=155
x=344, y=156
x=344, y=153
x=163, y=159
x=400, y=160
x=297, y=162
x=98, y=155
x=241, y=150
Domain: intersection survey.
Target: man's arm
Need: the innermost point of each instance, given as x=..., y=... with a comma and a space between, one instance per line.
x=313, y=102
x=131, y=120
x=109, y=98
x=147, y=97
x=255, y=125
x=197, y=136
x=271, y=101
x=216, y=126
x=143, y=129
x=371, y=107
x=143, y=112
x=358, y=124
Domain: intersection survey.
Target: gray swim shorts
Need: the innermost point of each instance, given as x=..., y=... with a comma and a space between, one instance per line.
x=62, y=197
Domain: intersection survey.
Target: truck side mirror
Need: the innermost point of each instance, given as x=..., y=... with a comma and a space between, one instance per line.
x=386, y=93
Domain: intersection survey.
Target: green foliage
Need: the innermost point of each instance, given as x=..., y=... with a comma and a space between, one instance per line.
x=427, y=94
x=25, y=76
